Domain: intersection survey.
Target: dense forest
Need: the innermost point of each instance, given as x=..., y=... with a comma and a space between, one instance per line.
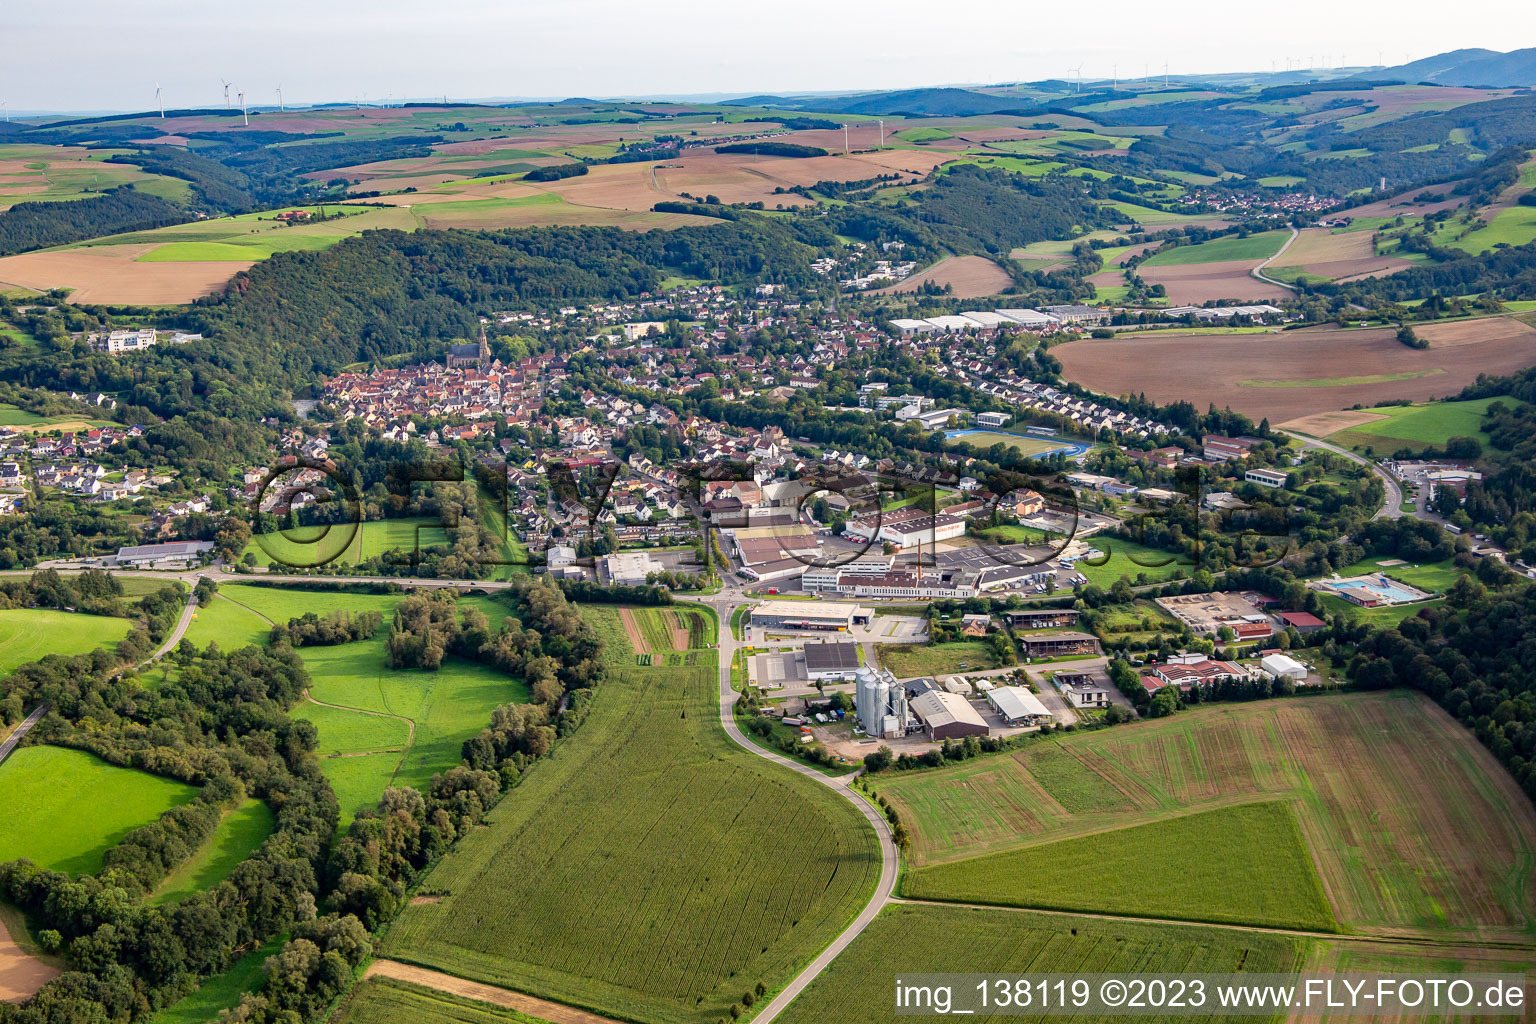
x=28, y=226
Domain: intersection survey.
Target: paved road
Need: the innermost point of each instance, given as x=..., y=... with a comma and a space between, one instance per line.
x=21, y=730
x=1258, y=271
x=1393, y=507
x=177, y=633
x=724, y=604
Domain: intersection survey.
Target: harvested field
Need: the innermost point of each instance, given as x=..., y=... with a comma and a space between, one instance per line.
x=1458, y=333
x=1303, y=372
x=1194, y=284
x=1324, y=423
x=21, y=975
x=1407, y=205
x=109, y=274
x=1412, y=825
x=1319, y=252
x=969, y=276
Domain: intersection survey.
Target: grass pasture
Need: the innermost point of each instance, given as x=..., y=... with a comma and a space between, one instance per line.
x=27, y=634
x=1411, y=824
x=66, y=808
x=1419, y=426
x=1226, y=249
x=242, y=830
x=1242, y=864
x=222, y=991
x=909, y=660
x=711, y=870
x=343, y=544
x=910, y=938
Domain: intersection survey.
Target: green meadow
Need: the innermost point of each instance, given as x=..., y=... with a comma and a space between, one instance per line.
x=1417, y=426
x=1221, y=250
x=1244, y=864
x=65, y=808
x=240, y=832
x=27, y=634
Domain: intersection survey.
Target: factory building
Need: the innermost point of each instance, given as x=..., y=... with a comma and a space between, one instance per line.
x=947, y=716
x=627, y=569
x=819, y=616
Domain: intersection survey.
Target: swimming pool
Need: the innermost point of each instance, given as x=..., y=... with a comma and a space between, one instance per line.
x=1381, y=586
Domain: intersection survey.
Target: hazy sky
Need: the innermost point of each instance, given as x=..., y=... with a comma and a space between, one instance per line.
x=105, y=54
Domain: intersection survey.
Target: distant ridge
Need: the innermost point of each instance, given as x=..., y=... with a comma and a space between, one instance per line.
x=939, y=102
x=1471, y=67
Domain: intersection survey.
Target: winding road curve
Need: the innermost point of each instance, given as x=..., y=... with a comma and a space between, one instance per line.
x=1392, y=508
x=724, y=605
x=1258, y=271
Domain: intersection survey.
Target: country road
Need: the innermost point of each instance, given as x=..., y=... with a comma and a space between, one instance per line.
x=1258, y=271
x=724, y=605
x=176, y=634
x=1392, y=508
x=21, y=730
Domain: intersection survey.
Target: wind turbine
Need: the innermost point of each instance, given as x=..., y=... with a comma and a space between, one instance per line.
x=280, y=106
x=882, y=133
x=1077, y=72
x=244, y=114
x=226, y=94
x=1117, y=75
x=159, y=100
x=1165, y=75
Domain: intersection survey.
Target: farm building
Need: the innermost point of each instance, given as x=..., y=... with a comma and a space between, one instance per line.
x=818, y=616
x=1018, y=706
x=946, y=716
x=1266, y=477
x=835, y=660
x=1056, y=645
x=627, y=568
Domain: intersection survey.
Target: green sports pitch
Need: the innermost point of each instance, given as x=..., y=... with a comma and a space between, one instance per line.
x=1029, y=446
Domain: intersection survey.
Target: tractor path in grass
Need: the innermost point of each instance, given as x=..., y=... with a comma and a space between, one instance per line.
x=555, y=1013
x=1430, y=942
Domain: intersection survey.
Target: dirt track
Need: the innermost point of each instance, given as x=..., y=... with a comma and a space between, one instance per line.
x=555, y=1013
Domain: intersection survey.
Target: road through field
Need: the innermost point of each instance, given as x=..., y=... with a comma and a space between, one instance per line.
x=1258, y=271
x=725, y=604
x=180, y=630
x=21, y=730
x=1393, y=507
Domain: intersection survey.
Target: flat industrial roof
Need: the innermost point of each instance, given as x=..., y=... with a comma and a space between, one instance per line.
x=807, y=609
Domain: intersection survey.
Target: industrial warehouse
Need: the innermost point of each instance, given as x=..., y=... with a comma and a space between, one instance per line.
x=818, y=616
